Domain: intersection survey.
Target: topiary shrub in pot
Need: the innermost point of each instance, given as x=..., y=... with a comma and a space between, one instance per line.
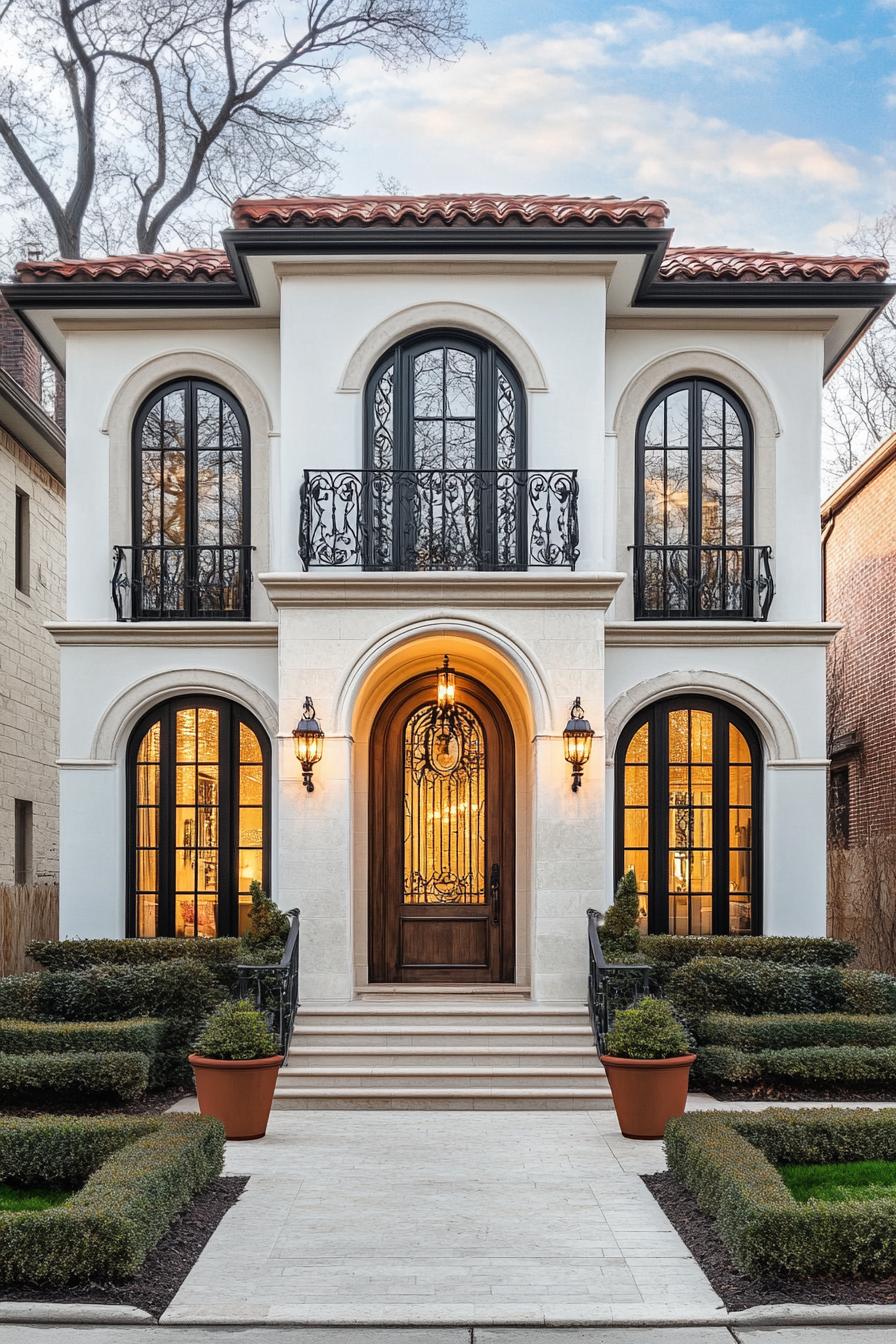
x=235, y=1067
x=648, y=1062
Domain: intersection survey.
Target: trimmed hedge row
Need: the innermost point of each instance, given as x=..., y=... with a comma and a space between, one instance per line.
x=783, y=1031
x=728, y=1161
x=716, y=984
x=18, y=1037
x=140, y=1173
x=668, y=951
x=77, y=954
x=819, y=1065
x=119, y=1075
x=179, y=992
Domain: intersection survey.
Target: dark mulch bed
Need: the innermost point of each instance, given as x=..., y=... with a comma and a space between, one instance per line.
x=780, y=1092
x=164, y=1269
x=738, y=1291
x=152, y=1103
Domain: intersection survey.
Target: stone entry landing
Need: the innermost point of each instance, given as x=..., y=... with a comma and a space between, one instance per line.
x=444, y=1217
x=406, y=1052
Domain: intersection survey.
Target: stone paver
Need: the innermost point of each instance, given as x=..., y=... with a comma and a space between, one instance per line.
x=454, y=1217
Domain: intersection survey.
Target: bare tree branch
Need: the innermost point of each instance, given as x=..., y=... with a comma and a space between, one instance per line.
x=129, y=115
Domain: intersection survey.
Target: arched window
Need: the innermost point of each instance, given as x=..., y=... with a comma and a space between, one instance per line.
x=191, y=505
x=198, y=775
x=445, y=445
x=694, y=506
x=689, y=817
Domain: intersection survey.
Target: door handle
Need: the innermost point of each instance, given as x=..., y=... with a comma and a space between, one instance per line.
x=494, y=887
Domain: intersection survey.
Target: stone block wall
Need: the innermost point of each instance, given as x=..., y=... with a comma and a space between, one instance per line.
x=29, y=659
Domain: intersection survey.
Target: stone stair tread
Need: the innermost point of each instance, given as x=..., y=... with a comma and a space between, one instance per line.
x=432, y=1029
x=440, y=1010
x=319, y=1051
x=370, y=1093
x=427, y=1071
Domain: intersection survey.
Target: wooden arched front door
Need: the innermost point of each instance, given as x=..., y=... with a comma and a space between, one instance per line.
x=441, y=839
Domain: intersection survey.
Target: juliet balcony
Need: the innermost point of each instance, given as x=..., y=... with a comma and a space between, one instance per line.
x=441, y=519
x=186, y=583
x=728, y=583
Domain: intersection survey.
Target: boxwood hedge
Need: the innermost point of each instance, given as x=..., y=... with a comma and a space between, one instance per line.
x=115, y=1075
x=20, y=1037
x=728, y=1160
x=77, y=954
x=849, y=1066
x=135, y=1175
x=728, y=985
x=783, y=1031
x=179, y=992
x=668, y=951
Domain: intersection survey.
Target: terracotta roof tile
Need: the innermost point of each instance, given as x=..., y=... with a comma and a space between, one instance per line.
x=485, y=209
x=196, y=265
x=736, y=263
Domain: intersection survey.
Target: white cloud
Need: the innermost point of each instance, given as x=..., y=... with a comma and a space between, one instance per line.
x=527, y=117
x=734, y=52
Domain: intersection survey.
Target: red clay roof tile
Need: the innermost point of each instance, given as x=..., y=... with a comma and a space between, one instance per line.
x=739, y=263
x=195, y=265
x=210, y=265
x=483, y=208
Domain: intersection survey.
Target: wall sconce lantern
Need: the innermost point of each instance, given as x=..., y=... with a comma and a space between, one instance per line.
x=577, y=738
x=308, y=740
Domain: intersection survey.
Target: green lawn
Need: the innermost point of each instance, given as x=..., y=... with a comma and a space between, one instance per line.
x=841, y=1180
x=18, y=1199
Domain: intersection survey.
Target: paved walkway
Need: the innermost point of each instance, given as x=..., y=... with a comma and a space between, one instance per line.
x=131, y=1334
x=444, y=1217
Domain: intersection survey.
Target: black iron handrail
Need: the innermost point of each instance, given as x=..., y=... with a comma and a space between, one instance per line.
x=702, y=582
x=181, y=583
x=274, y=989
x=611, y=986
x=439, y=519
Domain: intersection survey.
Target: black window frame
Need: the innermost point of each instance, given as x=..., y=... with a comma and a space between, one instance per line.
x=695, y=386
x=655, y=715
x=490, y=361
x=22, y=544
x=192, y=609
x=839, y=806
x=232, y=715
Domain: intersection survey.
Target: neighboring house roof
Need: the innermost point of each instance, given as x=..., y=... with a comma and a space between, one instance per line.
x=30, y=425
x=859, y=477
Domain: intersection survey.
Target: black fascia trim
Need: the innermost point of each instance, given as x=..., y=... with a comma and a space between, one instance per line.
x=445, y=239
x=128, y=294
x=764, y=294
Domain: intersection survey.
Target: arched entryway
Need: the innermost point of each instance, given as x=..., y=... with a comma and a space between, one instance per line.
x=441, y=836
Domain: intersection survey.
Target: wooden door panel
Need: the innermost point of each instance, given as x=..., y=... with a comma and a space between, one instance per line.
x=416, y=933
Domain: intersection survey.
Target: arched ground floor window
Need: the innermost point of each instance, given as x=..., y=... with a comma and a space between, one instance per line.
x=689, y=816
x=198, y=783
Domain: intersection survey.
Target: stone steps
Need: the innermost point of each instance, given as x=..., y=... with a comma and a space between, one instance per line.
x=420, y=1052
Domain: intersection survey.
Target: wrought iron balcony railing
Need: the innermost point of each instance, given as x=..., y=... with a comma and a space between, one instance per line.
x=182, y=583
x=439, y=519
x=702, y=582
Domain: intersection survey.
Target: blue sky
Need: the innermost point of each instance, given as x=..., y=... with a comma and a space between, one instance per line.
x=766, y=125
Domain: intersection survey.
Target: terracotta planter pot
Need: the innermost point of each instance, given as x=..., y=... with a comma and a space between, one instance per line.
x=238, y=1092
x=647, y=1092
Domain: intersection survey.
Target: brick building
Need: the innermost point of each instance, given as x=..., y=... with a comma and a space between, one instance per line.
x=32, y=592
x=859, y=550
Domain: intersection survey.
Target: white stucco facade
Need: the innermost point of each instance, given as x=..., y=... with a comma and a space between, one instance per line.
x=587, y=364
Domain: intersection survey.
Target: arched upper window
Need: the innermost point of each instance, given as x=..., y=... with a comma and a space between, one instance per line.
x=694, y=506
x=445, y=443
x=198, y=782
x=689, y=816
x=191, y=504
